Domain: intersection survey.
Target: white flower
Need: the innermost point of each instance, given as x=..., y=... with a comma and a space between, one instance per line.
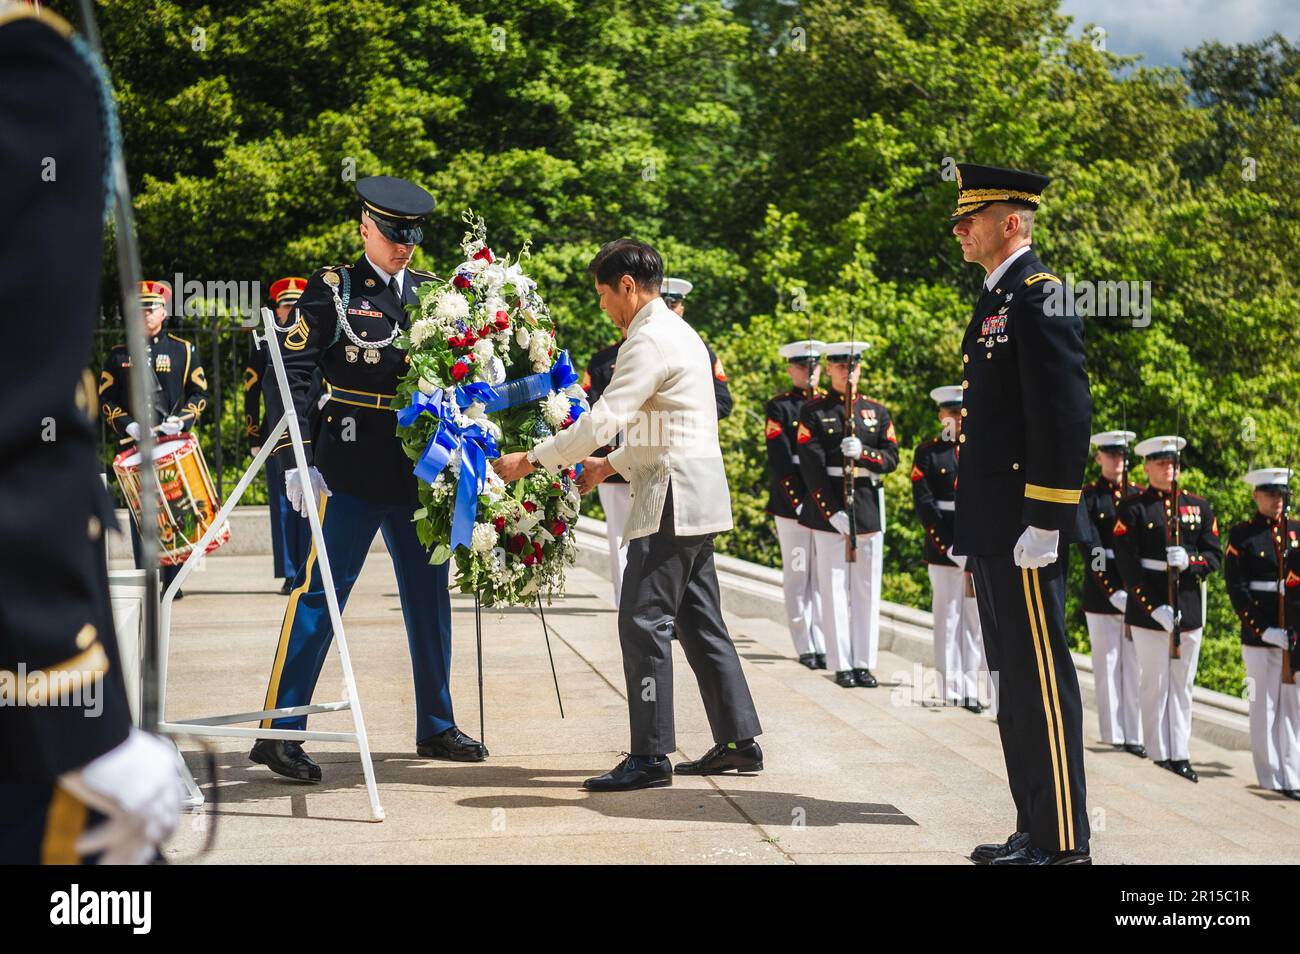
x=539, y=350
x=555, y=408
x=495, y=372
x=522, y=336
x=484, y=538
x=450, y=306
x=422, y=331
x=514, y=276
x=483, y=351
x=427, y=387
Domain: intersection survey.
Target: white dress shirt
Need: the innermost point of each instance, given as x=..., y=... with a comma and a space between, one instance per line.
x=995, y=276
x=661, y=397
x=400, y=276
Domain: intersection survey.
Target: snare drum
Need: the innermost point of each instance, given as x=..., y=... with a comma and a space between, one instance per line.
x=187, y=501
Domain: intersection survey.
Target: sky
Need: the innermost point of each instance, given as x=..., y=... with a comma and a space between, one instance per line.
x=1161, y=29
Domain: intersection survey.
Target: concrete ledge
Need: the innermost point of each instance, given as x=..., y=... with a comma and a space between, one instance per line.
x=751, y=590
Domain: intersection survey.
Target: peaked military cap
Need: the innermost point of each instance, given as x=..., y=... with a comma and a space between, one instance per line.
x=396, y=206
x=979, y=186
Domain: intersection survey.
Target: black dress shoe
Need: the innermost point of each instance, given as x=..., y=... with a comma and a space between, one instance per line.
x=1135, y=748
x=983, y=854
x=1162, y=763
x=1118, y=746
x=845, y=679
x=285, y=758
x=1184, y=768
x=634, y=772
x=864, y=678
x=1292, y=793
x=454, y=745
x=808, y=659
x=973, y=705
x=744, y=757
x=821, y=660
x=286, y=587
x=180, y=595
x=1027, y=854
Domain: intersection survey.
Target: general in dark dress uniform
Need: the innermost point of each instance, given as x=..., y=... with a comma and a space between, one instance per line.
x=614, y=490
x=1157, y=538
x=1255, y=569
x=1023, y=446
x=67, y=744
x=181, y=394
x=290, y=534
x=958, y=642
x=850, y=591
x=1114, y=656
x=786, y=492
x=363, y=478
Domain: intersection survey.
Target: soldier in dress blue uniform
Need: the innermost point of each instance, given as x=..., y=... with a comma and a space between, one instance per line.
x=1154, y=535
x=1114, y=655
x=958, y=642
x=1255, y=568
x=344, y=325
x=182, y=387
x=613, y=491
x=850, y=592
x=785, y=499
x=1023, y=446
x=290, y=534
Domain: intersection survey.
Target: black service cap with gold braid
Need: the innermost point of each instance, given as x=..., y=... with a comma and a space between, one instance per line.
x=396, y=206
x=978, y=186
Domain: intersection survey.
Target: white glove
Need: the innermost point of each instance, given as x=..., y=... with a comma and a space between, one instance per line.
x=851, y=448
x=959, y=560
x=1176, y=557
x=171, y=426
x=255, y=450
x=133, y=430
x=1119, y=600
x=798, y=510
x=840, y=521
x=1275, y=636
x=293, y=488
x=1164, y=615
x=1036, y=548
x=136, y=788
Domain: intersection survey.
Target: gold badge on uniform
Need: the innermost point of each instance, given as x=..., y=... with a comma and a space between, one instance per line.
x=371, y=355
x=330, y=278
x=162, y=363
x=351, y=352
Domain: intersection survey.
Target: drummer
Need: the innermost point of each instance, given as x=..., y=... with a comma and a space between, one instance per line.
x=180, y=386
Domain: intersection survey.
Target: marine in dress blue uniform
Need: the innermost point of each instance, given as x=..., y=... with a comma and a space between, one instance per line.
x=290, y=534
x=344, y=326
x=1023, y=446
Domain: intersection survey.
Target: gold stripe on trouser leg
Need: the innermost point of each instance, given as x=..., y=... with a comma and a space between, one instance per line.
x=1060, y=722
x=1047, y=706
x=64, y=822
x=290, y=611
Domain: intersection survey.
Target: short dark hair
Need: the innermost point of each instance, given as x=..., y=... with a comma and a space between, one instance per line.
x=627, y=256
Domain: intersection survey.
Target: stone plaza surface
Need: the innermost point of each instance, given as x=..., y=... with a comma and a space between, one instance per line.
x=853, y=776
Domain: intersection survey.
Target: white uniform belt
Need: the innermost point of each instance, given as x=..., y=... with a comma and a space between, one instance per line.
x=946, y=504
x=860, y=475
x=1154, y=564
x=1266, y=586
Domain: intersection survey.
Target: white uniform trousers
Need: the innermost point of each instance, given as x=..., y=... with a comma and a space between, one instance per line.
x=1115, y=675
x=958, y=642
x=1166, y=691
x=616, y=500
x=1274, y=719
x=799, y=582
x=856, y=648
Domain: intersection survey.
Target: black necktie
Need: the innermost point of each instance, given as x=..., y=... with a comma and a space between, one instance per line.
x=395, y=288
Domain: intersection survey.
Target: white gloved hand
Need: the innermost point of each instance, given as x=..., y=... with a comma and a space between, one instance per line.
x=1036, y=548
x=840, y=521
x=293, y=488
x=172, y=426
x=136, y=788
x=1119, y=600
x=958, y=559
x=851, y=448
x=1176, y=557
x=1275, y=636
x=1164, y=615
x=133, y=430
x=798, y=510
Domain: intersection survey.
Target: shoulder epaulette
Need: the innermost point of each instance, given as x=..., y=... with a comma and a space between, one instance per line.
x=417, y=271
x=1041, y=277
x=11, y=14
x=183, y=341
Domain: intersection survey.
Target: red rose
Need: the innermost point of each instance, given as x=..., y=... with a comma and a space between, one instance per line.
x=517, y=543
x=499, y=523
x=529, y=506
x=467, y=341
x=460, y=281
x=537, y=549
x=503, y=320
x=557, y=528
x=459, y=369
x=484, y=253
x=485, y=331
x=555, y=486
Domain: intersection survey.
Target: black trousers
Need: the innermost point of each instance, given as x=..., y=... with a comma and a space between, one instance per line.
x=670, y=588
x=1040, y=714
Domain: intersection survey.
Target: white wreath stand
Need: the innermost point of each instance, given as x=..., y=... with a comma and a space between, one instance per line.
x=226, y=726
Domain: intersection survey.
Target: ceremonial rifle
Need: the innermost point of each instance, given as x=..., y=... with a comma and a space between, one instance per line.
x=1123, y=483
x=1174, y=574
x=1288, y=663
